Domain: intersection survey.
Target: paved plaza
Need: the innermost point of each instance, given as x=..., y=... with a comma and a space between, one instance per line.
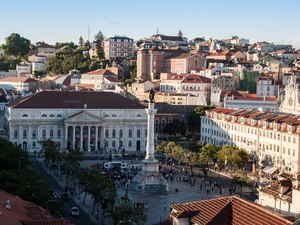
x=157, y=205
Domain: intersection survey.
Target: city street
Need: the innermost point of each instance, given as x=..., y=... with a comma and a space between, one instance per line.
x=57, y=188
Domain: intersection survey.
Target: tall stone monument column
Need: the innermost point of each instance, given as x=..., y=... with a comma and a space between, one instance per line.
x=150, y=164
x=149, y=180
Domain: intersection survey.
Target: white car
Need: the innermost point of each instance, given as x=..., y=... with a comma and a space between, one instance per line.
x=75, y=211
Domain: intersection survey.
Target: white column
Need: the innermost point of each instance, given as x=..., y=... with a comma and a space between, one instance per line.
x=29, y=135
x=74, y=137
x=81, y=138
x=66, y=136
x=150, y=132
x=89, y=138
x=20, y=135
x=96, y=138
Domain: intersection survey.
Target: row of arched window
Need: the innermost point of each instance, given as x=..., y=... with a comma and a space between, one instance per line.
x=44, y=115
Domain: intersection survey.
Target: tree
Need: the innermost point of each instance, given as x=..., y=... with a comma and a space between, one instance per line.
x=194, y=146
x=125, y=213
x=174, y=128
x=81, y=41
x=103, y=192
x=71, y=165
x=193, y=119
x=66, y=45
x=19, y=179
x=233, y=156
x=208, y=154
x=240, y=158
x=133, y=72
x=191, y=159
x=16, y=45
x=99, y=38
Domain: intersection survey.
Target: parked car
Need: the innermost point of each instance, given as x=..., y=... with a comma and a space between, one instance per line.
x=75, y=211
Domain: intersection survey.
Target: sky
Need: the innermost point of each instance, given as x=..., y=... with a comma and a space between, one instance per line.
x=54, y=21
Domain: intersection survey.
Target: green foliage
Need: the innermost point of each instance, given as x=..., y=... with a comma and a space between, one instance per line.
x=51, y=151
x=4, y=65
x=209, y=154
x=233, y=156
x=200, y=110
x=99, y=36
x=38, y=74
x=125, y=213
x=17, y=178
x=16, y=45
x=66, y=60
x=7, y=63
x=194, y=146
x=193, y=118
x=174, y=128
x=67, y=45
x=133, y=72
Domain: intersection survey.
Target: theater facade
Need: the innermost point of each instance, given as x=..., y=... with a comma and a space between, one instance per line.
x=88, y=121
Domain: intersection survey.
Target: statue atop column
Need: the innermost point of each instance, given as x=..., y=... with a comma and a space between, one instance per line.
x=151, y=95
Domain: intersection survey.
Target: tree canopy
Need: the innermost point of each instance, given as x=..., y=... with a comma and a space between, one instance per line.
x=16, y=45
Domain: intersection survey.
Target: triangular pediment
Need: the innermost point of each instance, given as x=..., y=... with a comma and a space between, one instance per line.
x=84, y=117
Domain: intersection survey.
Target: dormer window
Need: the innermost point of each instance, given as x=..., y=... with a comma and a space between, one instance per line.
x=59, y=115
x=106, y=115
x=44, y=115
x=51, y=115
x=25, y=115
x=114, y=115
x=138, y=115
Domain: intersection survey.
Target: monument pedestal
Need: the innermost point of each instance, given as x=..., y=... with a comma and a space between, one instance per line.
x=149, y=180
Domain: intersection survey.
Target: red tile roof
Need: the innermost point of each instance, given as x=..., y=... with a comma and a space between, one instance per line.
x=17, y=79
x=76, y=100
x=226, y=211
x=100, y=72
x=22, y=212
x=194, y=78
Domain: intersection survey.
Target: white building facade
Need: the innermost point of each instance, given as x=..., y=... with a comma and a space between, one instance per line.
x=78, y=120
x=272, y=137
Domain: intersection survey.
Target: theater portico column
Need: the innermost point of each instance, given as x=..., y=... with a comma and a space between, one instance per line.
x=96, y=138
x=89, y=139
x=66, y=136
x=74, y=137
x=81, y=138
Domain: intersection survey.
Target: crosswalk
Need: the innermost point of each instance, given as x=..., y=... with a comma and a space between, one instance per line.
x=57, y=194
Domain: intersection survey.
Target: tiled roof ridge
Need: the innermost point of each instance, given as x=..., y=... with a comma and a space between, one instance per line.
x=21, y=100
x=257, y=206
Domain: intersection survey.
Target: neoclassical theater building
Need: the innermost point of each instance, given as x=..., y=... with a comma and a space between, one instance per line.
x=84, y=120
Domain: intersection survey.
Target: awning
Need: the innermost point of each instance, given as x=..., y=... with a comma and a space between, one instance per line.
x=270, y=169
